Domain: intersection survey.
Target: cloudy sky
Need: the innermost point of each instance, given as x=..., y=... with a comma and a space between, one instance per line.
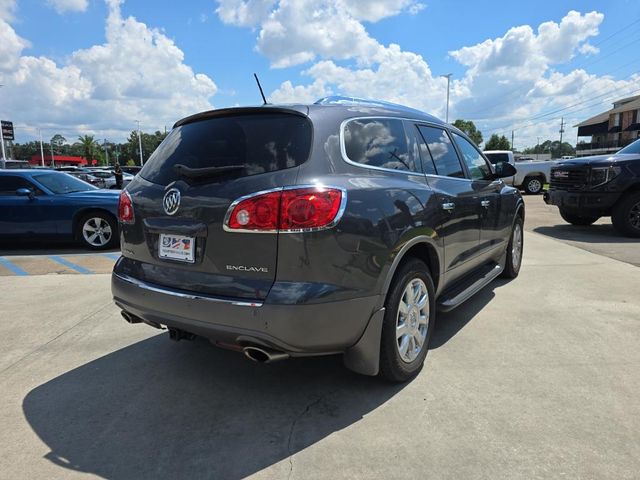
x=93, y=66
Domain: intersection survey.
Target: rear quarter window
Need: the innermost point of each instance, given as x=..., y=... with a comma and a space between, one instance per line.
x=260, y=142
x=380, y=142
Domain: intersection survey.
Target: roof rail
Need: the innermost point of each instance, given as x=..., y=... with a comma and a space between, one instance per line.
x=343, y=100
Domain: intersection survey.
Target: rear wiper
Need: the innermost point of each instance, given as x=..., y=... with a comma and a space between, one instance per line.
x=205, y=172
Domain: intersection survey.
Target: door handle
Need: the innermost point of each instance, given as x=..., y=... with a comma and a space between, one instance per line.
x=485, y=203
x=448, y=206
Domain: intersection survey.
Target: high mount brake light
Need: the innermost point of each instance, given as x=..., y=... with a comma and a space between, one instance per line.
x=125, y=208
x=292, y=210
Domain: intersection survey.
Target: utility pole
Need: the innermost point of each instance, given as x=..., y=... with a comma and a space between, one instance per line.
x=41, y=149
x=140, y=143
x=561, y=132
x=53, y=163
x=4, y=156
x=448, y=77
x=512, y=147
x=538, y=149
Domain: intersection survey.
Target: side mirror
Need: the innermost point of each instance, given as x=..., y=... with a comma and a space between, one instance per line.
x=504, y=170
x=25, y=192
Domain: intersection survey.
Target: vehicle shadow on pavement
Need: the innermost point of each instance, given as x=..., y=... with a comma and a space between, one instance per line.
x=588, y=234
x=450, y=323
x=157, y=409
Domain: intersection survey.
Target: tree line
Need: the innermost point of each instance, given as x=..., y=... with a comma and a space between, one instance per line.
x=87, y=147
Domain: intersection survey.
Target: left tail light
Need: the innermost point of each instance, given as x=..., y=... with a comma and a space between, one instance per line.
x=125, y=208
x=300, y=209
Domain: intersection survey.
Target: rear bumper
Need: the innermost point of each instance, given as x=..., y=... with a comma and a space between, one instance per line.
x=303, y=329
x=597, y=202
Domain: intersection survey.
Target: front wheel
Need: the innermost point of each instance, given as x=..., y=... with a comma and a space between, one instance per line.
x=626, y=215
x=515, y=249
x=408, y=322
x=98, y=231
x=575, y=219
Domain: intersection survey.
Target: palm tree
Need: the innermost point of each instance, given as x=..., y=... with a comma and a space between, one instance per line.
x=89, y=146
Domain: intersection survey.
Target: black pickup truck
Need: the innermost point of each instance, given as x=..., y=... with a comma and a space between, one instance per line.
x=585, y=189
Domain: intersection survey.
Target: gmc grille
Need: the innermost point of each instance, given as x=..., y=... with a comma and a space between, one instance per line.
x=564, y=178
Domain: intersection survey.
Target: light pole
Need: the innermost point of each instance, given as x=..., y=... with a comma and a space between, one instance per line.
x=41, y=149
x=448, y=77
x=538, y=149
x=140, y=143
x=106, y=151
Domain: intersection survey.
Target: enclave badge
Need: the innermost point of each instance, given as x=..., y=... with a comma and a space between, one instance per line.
x=171, y=201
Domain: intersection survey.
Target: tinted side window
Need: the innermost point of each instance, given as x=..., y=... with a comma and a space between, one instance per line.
x=379, y=142
x=477, y=165
x=442, y=151
x=259, y=142
x=427, y=162
x=10, y=183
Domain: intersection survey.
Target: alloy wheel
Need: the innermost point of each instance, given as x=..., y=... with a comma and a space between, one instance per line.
x=96, y=231
x=634, y=216
x=412, y=320
x=516, y=246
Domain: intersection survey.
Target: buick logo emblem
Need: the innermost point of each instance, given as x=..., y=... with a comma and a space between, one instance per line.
x=171, y=201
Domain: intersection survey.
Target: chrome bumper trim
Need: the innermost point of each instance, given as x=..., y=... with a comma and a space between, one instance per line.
x=189, y=296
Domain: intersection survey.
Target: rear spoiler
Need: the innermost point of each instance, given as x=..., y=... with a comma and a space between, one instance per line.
x=300, y=110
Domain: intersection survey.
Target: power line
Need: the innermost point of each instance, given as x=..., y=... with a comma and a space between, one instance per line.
x=509, y=127
x=617, y=93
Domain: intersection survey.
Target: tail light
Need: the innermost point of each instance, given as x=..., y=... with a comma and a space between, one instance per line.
x=303, y=209
x=125, y=208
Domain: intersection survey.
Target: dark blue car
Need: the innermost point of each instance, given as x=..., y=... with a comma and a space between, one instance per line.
x=53, y=204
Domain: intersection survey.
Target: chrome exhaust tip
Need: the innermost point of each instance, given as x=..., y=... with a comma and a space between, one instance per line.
x=264, y=355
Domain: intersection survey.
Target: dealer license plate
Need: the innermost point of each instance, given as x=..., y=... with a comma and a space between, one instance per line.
x=177, y=247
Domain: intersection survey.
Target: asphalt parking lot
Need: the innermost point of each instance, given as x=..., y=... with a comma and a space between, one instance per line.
x=534, y=378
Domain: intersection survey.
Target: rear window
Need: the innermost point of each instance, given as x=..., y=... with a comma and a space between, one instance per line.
x=261, y=143
x=496, y=158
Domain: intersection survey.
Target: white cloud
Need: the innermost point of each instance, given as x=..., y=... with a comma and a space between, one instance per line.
x=137, y=74
x=64, y=6
x=293, y=32
x=506, y=81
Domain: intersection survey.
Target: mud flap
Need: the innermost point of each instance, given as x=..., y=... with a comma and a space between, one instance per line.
x=364, y=356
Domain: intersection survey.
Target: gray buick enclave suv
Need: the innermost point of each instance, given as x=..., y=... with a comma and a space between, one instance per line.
x=333, y=228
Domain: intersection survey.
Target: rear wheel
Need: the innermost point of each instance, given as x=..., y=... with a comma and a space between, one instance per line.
x=575, y=219
x=533, y=185
x=98, y=231
x=408, y=322
x=626, y=215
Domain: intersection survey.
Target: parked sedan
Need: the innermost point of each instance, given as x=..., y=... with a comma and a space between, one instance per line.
x=46, y=203
x=109, y=178
x=87, y=177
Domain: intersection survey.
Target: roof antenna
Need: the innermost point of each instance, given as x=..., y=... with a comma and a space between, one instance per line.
x=260, y=87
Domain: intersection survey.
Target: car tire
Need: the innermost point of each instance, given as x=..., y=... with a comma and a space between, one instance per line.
x=626, y=215
x=533, y=185
x=97, y=231
x=403, y=328
x=515, y=250
x=575, y=219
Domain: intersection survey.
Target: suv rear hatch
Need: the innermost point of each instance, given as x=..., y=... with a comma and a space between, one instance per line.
x=212, y=159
